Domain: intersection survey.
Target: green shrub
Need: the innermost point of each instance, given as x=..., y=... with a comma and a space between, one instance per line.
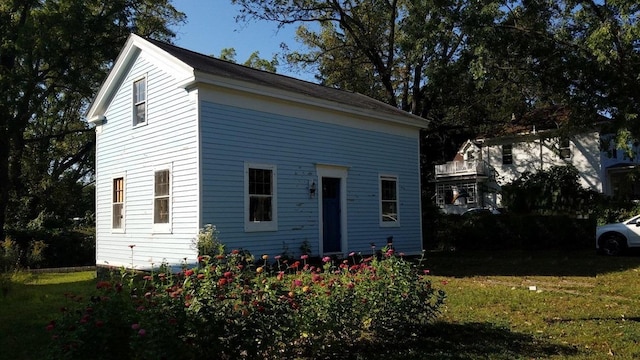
x=229, y=307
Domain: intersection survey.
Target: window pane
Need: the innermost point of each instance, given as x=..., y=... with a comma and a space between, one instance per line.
x=389, y=211
x=161, y=206
x=260, y=182
x=162, y=183
x=507, y=157
x=117, y=216
x=260, y=208
x=139, y=91
x=118, y=190
x=388, y=190
x=140, y=113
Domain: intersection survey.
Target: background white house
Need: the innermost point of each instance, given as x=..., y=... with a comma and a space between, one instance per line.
x=480, y=167
x=185, y=140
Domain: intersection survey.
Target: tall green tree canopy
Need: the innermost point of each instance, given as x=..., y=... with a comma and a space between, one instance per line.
x=474, y=64
x=53, y=56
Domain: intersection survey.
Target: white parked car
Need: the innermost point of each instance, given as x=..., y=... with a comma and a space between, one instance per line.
x=613, y=239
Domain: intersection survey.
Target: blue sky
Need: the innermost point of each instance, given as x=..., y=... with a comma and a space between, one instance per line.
x=211, y=27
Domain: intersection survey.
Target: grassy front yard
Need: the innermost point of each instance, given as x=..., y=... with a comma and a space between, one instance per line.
x=500, y=306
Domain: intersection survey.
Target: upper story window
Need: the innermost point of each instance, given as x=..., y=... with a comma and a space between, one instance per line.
x=140, y=102
x=564, y=148
x=260, y=197
x=117, y=213
x=162, y=201
x=389, y=200
x=507, y=154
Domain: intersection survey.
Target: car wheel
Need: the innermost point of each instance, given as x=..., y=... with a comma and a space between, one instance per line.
x=612, y=244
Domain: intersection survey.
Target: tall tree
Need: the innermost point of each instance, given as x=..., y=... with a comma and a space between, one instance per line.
x=53, y=56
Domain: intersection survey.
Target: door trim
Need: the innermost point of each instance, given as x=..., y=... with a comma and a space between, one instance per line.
x=340, y=172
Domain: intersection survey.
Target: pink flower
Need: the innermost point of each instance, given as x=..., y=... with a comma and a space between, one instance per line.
x=297, y=282
x=444, y=282
x=389, y=252
x=304, y=257
x=135, y=326
x=426, y=271
x=352, y=254
x=277, y=257
x=326, y=259
x=142, y=332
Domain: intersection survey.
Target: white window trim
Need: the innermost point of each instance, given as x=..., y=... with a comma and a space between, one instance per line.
x=134, y=103
x=121, y=230
x=395, y=178
x=257, y=226
x=165, y=228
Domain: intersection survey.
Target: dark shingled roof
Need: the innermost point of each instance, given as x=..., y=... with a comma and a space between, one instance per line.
x=213, y=66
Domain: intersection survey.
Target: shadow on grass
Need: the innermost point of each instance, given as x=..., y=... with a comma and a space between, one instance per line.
x=472, y=341
x=527, y=263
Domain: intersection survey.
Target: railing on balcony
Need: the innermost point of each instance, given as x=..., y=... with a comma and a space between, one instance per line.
x=457, y=168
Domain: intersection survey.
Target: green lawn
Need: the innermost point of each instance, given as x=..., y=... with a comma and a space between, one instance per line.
x=583, y=306
x=538, y=305
x=34, y=300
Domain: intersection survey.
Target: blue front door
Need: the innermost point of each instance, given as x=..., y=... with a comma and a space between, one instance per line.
x=331, y=239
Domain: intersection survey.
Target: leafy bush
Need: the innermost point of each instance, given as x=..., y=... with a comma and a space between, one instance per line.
x=229, y=307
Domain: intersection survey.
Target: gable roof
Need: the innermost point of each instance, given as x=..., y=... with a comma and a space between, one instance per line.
x=203, y=69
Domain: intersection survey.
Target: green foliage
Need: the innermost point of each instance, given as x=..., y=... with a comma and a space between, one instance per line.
x=54, y=54
x=553, y=191
x=229, y=307
x=207, y=242
x=254, y=60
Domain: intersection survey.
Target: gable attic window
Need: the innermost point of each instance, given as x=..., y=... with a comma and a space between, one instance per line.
x=507, y=154
x=117, y=213
x=162, y=201
x=564, y=148
x=260, y=198
x=140, y=102
x=389, y=200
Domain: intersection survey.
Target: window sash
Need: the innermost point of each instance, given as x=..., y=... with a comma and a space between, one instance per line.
x=117, y=203
x=162, y=196
x=260, y=195
x=507, y=154
x=140, y=101
x=388, y=200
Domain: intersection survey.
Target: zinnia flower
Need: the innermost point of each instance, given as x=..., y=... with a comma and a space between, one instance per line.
x=326, y=259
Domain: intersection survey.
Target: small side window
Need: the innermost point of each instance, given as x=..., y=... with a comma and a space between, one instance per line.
x=117, y=212
x=140, y=102
x=507, y=154
x=389, y=206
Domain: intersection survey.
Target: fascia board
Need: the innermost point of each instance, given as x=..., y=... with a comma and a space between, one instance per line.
x=283, y=95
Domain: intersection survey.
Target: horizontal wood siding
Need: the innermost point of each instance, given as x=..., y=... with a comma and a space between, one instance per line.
x=232, y=136
x=169, y=139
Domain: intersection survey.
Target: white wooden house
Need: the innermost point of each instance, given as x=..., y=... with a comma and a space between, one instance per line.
x=185, y=140
x=475, y=176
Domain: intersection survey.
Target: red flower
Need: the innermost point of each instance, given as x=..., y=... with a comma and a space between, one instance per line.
x=103, y=285
x=147, y=277
x=200, y=276
x=222, y=282
x=235, y=252
x=228, y=274
x=99, y=323
x=188, y=272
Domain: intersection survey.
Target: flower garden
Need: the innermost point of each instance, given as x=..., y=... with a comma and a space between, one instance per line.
x=232, y=305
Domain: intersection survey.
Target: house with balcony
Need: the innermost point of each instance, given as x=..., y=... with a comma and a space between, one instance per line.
x=474, y=177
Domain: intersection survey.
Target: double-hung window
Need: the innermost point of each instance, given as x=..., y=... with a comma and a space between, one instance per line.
x=564, y=148
x=507, y=154
x=260, y=198
x=117, y=212
x=162, y=201
x=389, y=205
x=140, y=102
